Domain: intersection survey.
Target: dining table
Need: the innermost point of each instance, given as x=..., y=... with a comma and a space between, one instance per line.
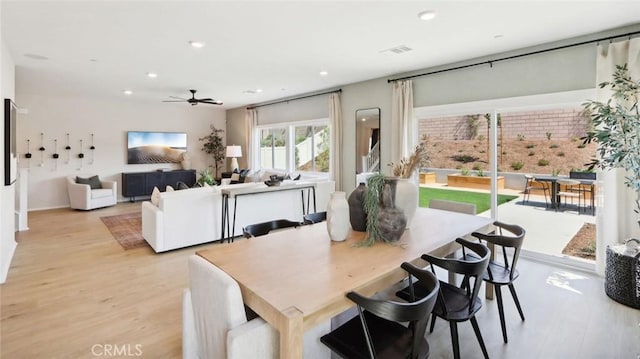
x=555, y=187
x=297, y=278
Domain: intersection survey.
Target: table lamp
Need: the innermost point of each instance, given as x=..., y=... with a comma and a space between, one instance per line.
x=234, y=152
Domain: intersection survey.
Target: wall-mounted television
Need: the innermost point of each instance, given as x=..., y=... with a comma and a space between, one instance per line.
x=155, y=147
x=10, y=147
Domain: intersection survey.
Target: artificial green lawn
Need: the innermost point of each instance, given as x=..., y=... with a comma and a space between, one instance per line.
x=481, y=200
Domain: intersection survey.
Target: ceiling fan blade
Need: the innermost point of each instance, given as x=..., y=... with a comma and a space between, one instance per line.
x=180, y=98
x=174, y=101
x=211, y=102
x=204, y=99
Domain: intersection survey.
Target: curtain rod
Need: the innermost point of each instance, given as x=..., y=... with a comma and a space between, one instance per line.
x=490, y=62
x=293, y=99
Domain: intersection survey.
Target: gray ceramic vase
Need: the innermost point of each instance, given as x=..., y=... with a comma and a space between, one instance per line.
x=357, y=214
x=391, y=220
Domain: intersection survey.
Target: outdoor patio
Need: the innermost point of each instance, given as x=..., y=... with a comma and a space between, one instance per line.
x=548, y=231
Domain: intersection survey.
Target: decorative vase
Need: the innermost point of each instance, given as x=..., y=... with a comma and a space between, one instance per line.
x=338, y=217
x=406, y=198
x=391, y=220
x=357, y=214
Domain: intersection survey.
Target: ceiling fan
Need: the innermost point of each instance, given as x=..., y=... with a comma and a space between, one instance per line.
x=194, y=101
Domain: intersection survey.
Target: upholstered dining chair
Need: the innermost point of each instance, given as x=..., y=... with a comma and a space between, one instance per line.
x=89, y=192
x=215, y=325
x=509, y=238
x=261, y=229
x=458, y=304
x=376, y=331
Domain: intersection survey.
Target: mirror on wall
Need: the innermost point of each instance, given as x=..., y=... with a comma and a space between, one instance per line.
x=367, y=143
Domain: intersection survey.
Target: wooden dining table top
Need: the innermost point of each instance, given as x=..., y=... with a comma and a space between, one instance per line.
x=298, y=277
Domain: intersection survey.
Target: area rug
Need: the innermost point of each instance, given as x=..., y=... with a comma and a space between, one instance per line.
x=126, y=229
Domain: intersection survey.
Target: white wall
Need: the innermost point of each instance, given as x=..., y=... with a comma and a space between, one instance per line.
x=109, y=120
x=7, y=193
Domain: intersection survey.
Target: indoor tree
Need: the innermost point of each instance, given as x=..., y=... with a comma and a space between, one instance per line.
x=616, y=128
x=214, y=146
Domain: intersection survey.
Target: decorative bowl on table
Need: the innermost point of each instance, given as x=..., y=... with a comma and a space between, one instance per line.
x=272, y=183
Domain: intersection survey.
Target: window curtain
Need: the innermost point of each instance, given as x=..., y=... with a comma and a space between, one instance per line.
x=402, y=118
x=251, y=121
x=335, y=116
x=615, y=219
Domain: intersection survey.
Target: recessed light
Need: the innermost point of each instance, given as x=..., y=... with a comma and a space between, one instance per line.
x=363, y=119
x=36, y=57
x=127, y=92
x=152, y=75
x=324, y=73
x=93, y=60
x=253, y=91
x=427, y=15
x=196, y=44
x=498, y=36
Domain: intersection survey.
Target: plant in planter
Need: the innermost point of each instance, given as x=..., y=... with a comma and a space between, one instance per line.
x=214, y=146
x=206, y=177
x=616, y=129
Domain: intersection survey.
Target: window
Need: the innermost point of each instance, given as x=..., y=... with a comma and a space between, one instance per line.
x=311, y=152
x=273, y=148
x=296, y=147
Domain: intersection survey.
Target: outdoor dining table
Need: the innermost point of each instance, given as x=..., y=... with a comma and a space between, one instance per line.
x=555, y=187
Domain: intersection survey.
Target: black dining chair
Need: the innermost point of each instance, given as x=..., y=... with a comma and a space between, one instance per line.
x=376, y=331
x=503, y=272
x=458, y=304
x=312, y=218
x=261, y=229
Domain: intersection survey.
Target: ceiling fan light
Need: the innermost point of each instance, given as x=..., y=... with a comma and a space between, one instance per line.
x=127, y=92
x=152, y=75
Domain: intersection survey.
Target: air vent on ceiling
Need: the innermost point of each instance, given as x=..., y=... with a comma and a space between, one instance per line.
x=401, y=49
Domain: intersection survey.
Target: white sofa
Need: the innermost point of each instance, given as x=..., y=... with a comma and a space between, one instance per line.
x=81, y=196
x=194, y=216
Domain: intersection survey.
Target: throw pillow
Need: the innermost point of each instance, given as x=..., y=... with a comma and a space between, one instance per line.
x=93, y=182
x=169, y=189
x=155, y=196
x=182, y=185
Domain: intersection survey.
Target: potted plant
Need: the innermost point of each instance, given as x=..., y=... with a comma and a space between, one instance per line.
x=616, y=129
x=214, y=146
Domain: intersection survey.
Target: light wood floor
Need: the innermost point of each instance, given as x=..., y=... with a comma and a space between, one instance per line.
x=71, y=287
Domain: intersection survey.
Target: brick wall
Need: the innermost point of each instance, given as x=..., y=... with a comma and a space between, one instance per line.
x=560, y=123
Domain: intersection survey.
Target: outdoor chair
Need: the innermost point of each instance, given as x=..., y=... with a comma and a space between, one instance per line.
x=376, y=331
x=533, y=185
x=458, y=304
x=569, y=188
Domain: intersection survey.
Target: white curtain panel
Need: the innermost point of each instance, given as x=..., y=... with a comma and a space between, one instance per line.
x=251, y=121
x=615, y=218
x=335, y=116
x=402, y=118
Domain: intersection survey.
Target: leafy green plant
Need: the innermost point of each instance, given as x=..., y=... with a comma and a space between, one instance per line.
x=480, y=173
x=543, y=162
x=517, y=165
x=531, y=153
x=615, y=127
x=531, y=145
x=520, y=137
x=555, y=172
x=464, y=172
x=206, y=177
x=548, y=135
x=582, y=145
x=214, y=146
x=554, y=145
x=464, y=158
x=560, y=154
x=476, y=167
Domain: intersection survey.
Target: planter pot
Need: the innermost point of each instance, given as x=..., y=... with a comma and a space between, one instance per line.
x=357, y=214
x=458, y=180
x=427, y=177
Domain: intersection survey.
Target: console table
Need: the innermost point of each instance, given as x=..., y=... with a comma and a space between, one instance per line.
x=135, y=184
x=229, y=233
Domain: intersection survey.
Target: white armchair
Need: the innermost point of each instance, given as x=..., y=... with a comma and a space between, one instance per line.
x=81, y=196
x=214, y=323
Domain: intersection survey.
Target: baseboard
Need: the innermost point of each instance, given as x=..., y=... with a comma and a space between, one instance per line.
x=564, y=261
x=6, y=261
